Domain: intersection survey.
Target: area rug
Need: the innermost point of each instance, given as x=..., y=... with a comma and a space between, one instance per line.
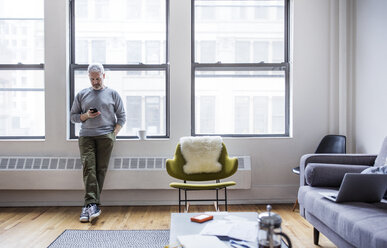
x=112, y=239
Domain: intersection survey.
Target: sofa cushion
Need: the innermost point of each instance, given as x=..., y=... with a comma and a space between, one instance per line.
x=381, y=159
x=329, y=175
x=360, y=224
x=376, y=170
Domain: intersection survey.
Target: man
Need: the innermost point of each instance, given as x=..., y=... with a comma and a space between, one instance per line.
x=102, y=114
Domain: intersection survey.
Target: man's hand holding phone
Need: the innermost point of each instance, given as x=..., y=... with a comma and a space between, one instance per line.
x=93, y=112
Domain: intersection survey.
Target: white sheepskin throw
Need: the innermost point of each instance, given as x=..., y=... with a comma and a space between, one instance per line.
x=201, y=154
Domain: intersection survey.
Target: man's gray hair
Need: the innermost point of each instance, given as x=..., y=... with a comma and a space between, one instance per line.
x=96, y=67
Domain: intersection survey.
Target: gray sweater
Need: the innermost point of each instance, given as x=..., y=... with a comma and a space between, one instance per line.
x=107, y=101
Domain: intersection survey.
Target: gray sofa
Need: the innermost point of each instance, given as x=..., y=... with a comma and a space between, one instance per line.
x=354, y=224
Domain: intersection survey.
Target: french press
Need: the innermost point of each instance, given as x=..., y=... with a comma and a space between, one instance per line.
x=269, y=234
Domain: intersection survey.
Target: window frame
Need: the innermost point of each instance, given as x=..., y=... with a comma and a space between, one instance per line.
x=283, y=66
x=163, y=66
x=19, y=67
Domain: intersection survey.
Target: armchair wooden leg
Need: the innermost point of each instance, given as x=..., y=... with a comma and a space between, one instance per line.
x=216, y=206
x=295, y=205
x=316, y=235
x=179, y=200
x=225, y=197
x=185, y=202
x=217, y=200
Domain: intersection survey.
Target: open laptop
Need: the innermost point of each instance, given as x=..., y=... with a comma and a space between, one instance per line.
x=357, y=187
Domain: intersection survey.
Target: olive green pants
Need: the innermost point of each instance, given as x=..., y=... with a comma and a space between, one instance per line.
x=95, y=155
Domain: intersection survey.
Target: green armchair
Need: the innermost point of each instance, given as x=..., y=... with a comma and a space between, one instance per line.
x=175, y=169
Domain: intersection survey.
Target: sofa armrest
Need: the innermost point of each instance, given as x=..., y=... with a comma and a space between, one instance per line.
x=345, y=159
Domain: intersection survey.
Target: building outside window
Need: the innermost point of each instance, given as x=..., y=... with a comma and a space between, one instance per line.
x=134, y=107
x=133, y=50
x=206, y=106
x=242, y=114
x=240, y=57
x=22, y=112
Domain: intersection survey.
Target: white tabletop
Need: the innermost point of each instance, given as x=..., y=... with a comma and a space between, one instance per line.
x=181, y=223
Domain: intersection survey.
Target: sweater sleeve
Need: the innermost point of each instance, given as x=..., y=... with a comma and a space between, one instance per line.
x=119, y=110
x=76, y=111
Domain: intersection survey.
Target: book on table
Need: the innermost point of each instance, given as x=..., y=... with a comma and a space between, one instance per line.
x=200, y=241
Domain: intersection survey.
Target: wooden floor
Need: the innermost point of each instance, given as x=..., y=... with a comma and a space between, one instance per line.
x=39, y=226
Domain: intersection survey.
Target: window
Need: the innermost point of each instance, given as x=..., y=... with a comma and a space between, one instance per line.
x=21, y=69
x=133, y=50
x=240, y=59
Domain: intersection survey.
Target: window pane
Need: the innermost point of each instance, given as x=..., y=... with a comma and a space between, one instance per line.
x=254, y=105
x=143, y=96
x=252, y=21
x=21, y=103
x=21, y=8
x=21, y=32
x=21, y=41
x=113, y=23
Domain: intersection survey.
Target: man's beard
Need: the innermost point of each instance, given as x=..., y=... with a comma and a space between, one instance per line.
x=97, y=86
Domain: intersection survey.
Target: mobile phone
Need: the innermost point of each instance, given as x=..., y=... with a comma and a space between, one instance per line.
x=93, y=110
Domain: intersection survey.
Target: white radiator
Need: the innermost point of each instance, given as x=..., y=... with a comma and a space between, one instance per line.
x=65, y=173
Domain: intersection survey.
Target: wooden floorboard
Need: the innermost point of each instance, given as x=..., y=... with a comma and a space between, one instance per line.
x=39, y=226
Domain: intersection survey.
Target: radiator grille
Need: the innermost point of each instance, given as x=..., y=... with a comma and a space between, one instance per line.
x=141, y=163
x=117, y=163
x=39, y=163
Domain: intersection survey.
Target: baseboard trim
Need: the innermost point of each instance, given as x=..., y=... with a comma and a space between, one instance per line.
x=139, y=203
x=258, y=194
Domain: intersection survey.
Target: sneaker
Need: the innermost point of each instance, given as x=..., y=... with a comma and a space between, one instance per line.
x=93, y=211
x=84, y=215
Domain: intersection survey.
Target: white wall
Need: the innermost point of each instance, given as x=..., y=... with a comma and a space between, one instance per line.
x=371, y=79
x=272, y=158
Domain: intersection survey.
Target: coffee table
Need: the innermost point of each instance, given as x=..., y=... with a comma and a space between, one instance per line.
x=181, y=224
